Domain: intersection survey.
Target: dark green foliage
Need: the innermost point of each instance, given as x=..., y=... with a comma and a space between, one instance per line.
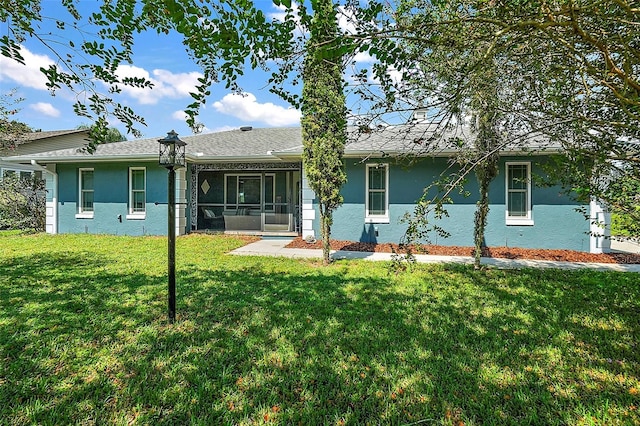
x=324, y=116
x=585, y=175
x=568, y=72
x=486, y=106
x=11, y=132
x=623, y=195
x=242, y=37
x=104, y=134
x=22, y=203
x=486, y=170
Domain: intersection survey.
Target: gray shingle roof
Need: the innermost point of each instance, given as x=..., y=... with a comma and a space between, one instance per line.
x=429, y=139
x=255, y=144
x=34, y=136
x=274, y=143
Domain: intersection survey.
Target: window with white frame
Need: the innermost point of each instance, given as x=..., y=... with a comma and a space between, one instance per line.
x=85, y=185
x=24, y=174
x=377, y=199
x=518, y=193
x=137, y=191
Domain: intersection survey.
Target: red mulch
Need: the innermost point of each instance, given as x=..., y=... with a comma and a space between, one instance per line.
x=501, y=252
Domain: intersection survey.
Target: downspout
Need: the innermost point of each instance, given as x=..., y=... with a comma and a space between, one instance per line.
x=54, y=192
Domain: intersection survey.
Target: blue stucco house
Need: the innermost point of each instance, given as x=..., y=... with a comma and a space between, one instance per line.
x=252, y=181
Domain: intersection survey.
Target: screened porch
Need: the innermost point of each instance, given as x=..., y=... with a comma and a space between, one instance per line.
x=247, y=201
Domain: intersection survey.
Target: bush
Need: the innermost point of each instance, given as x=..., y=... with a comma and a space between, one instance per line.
x=625, y=225
x=22, y=203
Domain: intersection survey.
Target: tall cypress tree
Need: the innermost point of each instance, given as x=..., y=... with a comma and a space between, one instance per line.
x=324, y=116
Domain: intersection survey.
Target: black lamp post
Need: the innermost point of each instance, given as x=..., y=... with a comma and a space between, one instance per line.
x=172, y=151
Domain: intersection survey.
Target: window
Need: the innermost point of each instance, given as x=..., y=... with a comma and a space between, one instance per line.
x=249, y=191
x=137, y=193
x=377, y=200
x=23, y=174
x=518, y=194
x=85, y=183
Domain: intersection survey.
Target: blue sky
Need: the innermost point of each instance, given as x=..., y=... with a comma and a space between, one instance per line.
x=163, y=60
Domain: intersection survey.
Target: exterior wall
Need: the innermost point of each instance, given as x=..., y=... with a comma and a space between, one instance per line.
x=75, y=140
x=111, y=196
x=557, y=224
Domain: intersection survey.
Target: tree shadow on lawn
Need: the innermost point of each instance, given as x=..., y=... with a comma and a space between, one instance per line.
x=256, y=344
x=319, y=347
x=574, y=333
x=62, y=314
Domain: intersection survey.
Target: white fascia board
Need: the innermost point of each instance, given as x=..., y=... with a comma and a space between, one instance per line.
x=253, y=159
x=544, y=151
x=378, y=154
x=288, y=156
x=444, y=153
x=88, y=158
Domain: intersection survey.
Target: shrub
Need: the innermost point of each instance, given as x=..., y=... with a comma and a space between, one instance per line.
x=22, y=203
x=625, y=225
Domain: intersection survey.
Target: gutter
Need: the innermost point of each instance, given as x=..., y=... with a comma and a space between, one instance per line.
x=194, y=158
x=88, y=158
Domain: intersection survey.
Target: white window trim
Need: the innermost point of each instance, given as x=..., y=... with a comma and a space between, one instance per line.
x=131, y=214
x=372, y=218
x=518, y=220
x=84, y=214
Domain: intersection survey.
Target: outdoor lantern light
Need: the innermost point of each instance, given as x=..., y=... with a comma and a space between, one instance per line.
x=172, y=151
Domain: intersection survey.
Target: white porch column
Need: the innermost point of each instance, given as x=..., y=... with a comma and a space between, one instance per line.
x=181, y=201
x=308, y=211
x=599, y=228
x=51, y=206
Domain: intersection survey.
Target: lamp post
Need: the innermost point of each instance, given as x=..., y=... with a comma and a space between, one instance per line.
x=172, y=151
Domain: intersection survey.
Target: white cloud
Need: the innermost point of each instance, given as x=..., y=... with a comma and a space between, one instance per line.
x=346, y=20
x=179, y=115
x=395, y=76
x=281, y=13
x=165, y=84
x=46, y=109
x=364, y=57
x=29, y=74
x=246, y=108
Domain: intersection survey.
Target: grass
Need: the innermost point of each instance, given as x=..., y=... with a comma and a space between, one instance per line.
x=84, y=339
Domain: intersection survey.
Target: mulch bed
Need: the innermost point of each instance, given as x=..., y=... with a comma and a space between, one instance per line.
x=497, y=252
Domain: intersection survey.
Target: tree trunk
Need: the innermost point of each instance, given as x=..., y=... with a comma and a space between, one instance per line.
x=325, y=225
x=486, y=170
x=480, y=223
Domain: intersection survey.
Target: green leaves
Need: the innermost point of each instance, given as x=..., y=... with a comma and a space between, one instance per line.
x=324, y=115
x=285, y=3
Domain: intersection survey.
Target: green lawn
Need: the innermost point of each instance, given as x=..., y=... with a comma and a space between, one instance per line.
x=84, y=339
